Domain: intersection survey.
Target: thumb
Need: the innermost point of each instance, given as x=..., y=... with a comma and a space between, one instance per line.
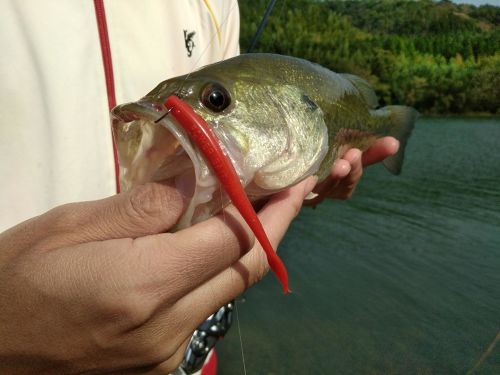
x=146, y=209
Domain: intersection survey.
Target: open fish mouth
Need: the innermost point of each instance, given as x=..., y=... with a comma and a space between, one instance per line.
x=153, y=147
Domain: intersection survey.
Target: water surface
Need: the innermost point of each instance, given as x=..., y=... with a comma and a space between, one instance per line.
x=402, y=279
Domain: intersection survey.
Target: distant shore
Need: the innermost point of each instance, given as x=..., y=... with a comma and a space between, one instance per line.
x=480, y=115
x=435, y=56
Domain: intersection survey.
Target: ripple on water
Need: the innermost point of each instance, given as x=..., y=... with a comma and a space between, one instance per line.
x=402, y=279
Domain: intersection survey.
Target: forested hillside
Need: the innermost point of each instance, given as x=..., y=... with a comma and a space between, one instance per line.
x=438, y=57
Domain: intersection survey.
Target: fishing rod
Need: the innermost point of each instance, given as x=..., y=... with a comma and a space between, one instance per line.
x=263, y=22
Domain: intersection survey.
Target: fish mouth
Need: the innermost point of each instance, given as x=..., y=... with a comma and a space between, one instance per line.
x=153, y=147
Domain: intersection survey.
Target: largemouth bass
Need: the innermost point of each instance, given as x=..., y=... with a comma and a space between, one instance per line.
x=279, y=119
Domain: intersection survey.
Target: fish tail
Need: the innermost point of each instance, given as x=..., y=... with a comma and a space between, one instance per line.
x=402, y=120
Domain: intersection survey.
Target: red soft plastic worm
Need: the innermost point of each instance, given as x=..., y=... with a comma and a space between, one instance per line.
x=206, y=141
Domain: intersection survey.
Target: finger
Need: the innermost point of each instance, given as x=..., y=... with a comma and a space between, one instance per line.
x=172, y=264
x=225, y=286
x=146, y=209
x=340, y=170
x=353, y=156
x=381, y=149
x=200, y=252
x=347, y=185
x=282, y=208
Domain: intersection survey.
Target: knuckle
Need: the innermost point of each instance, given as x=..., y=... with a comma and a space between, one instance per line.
x=291, y=208
x=55, y=226
x=145, y=200
x=151, y=200
x=296, y=206
x=240, y=238
x=232, y=234
x=64, y=216
x=127, y=311
x=260, y=267
x=134, y=312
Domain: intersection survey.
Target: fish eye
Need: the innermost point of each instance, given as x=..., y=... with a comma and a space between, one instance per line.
x=215, y=97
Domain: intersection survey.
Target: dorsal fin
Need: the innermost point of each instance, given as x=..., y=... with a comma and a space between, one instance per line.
x=364, y=88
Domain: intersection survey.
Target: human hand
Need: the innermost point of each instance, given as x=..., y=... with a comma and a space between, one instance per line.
x=346, y=172
x=99, y=287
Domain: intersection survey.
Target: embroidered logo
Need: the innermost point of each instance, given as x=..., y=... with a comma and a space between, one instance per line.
x=188, y=41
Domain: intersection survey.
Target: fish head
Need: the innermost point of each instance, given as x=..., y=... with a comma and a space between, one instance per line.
x=273, y=134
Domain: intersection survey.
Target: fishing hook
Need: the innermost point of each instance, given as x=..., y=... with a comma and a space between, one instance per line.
x=164, y=115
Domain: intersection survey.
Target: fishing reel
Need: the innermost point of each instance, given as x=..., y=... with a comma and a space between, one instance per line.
x=204, y=339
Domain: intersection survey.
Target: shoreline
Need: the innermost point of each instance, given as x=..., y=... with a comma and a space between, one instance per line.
x=479, y=115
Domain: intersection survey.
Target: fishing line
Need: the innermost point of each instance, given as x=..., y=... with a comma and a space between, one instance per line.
x=195, y=66
x=179, y=91
x=485, y=355
x=235, y=302
x=222, y=208
x=255, y=38
x=210, y=42
x=239, y=334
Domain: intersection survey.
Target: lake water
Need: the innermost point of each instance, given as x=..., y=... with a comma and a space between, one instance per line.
x=402, y=279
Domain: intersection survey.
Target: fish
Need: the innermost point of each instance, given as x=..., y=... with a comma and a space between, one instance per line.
x=277, y=119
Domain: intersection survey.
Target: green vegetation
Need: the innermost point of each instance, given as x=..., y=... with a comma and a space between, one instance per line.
x=439, y=57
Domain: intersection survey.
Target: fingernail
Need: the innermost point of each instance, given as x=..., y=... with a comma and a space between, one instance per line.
x=343, y=168
x=395, y=145
x=310, y=184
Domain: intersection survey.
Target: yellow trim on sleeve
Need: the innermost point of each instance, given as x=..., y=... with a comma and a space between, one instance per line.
x=214, y=20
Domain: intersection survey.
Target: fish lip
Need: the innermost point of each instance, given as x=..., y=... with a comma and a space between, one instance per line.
x=155, y=113
x=205, y=184
x=129, y=111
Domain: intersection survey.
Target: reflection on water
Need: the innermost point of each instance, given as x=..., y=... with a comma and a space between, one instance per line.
x=402, y=279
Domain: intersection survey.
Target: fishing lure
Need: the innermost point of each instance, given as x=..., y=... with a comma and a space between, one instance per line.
x=208, y=144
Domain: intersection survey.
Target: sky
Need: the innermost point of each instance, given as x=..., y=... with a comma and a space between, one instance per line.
x=478, y=2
